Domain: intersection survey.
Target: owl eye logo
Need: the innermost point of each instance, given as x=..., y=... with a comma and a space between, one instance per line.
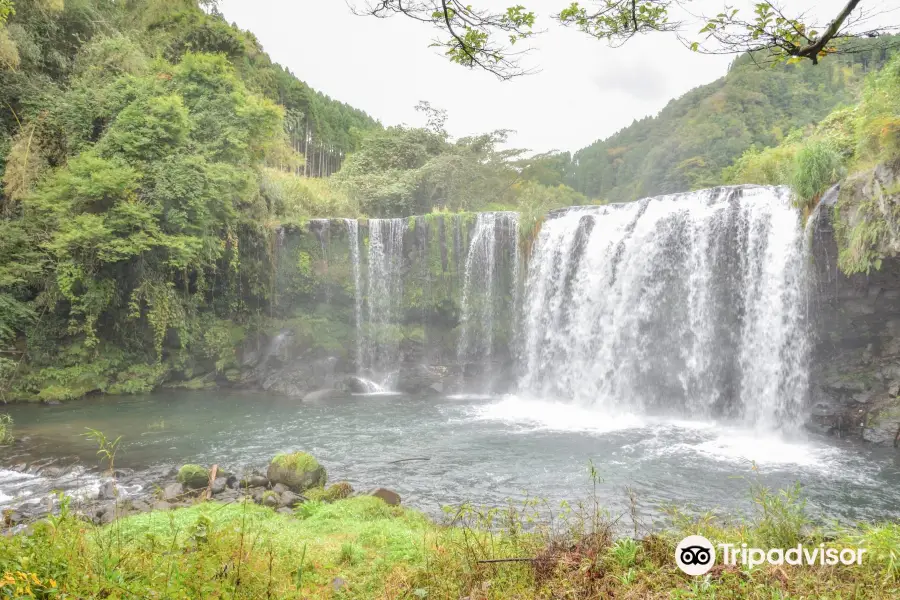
x=695, y=555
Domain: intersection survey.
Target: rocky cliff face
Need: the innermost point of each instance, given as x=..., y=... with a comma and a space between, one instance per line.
x=856, y=356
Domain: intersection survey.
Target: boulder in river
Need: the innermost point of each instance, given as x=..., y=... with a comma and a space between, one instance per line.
x=389, y=496
x=193, y=476
x=299, y=471
x=108, y=491
x=172, y=492
x=289, y=499
x=218, y=485
x=254, y=480
x=415, y=379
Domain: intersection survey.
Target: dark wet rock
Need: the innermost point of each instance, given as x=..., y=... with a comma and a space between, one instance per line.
x=854, y=372
x=172, y=492
x=53, y=472
x=389, y=496
x=289, y=499
x=280, y=488
x=254, y=481
x=219, y=485
x=417, y=379
x=270, y=499
x=161, y=505
x=140, y=506
x=105, y=513
x=257, y=494
x=229, y=495
x=290, y=366
x=355, y=385
x=120, y=473
x=299, y=471
x=108, y=491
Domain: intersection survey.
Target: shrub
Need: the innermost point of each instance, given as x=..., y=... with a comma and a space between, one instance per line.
x=817, y=165
x=6, y=433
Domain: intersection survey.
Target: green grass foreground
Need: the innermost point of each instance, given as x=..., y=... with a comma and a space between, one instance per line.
x=363, y=548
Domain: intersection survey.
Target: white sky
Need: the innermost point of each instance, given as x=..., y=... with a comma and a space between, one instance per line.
x=584, y=91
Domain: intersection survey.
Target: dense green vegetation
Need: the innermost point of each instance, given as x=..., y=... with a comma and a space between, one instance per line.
x=150, y=153
x=851, y=141
x=139, y=143
x=362, y=548
x=146, y=168
x=694, y=137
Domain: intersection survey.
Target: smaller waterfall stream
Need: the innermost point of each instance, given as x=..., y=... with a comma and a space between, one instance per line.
x=353, y=242
x=381, y=336
x=490, y=288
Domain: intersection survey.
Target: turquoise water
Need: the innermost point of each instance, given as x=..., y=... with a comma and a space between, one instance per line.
x=483, y=449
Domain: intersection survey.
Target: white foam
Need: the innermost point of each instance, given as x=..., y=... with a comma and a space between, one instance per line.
x=554, y=416
x=765, y=450
x=660, y=438
x=469, y=397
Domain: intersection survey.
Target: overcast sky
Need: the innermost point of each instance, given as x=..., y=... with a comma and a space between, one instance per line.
x=584, y=91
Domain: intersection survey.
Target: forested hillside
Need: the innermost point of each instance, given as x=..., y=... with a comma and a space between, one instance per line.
x=150, y=153
x=695, y=136
x=135, y=223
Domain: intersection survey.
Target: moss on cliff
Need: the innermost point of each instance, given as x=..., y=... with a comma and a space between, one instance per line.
x=867, y=219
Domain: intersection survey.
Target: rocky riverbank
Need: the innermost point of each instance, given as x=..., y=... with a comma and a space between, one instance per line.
x=288, y=481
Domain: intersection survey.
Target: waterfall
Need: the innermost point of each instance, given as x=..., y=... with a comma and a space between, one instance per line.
x=353, y=242
x=381, y=339
x=487, y=289
x=690, y=304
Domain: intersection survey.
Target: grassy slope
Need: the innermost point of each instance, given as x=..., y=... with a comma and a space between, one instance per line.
x=246, y=551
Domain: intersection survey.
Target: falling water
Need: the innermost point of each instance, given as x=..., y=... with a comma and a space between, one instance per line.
x=321, y=228
x=487, y=289
x=381, y=345
x=353, y=242
x=692, y=304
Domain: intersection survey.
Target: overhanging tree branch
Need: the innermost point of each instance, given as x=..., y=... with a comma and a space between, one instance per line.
x=474, y=35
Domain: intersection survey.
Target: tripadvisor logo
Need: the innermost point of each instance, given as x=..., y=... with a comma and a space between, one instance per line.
x=696, y=555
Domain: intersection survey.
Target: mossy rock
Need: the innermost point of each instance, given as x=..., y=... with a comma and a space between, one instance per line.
x=337, y=491
x=193, y=476
x=298, y=470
